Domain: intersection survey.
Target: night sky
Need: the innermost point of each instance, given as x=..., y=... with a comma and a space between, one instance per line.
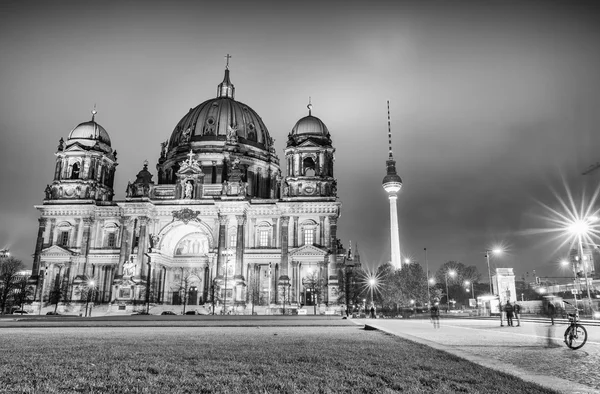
x=494, y=106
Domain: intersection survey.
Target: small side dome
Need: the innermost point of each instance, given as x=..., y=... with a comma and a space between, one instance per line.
x=89, y=134
x=90, y=131
x=310, y=125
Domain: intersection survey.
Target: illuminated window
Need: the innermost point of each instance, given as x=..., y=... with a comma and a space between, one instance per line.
x=63, y=240
x=309, y=236
x=111, y=240
x=232, y=240
x=263, y=237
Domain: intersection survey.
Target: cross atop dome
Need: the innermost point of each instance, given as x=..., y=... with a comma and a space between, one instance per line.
x=226, y=88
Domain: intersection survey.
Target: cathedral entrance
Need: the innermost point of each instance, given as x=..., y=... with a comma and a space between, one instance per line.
x=309, y=297
x=193, y=296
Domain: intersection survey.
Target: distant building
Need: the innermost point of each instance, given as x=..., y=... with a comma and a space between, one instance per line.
x=220, y=213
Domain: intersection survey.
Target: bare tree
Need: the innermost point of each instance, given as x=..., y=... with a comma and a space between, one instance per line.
x=314, y=283
x=9, y=279
x=188, y=275
x=23, y=292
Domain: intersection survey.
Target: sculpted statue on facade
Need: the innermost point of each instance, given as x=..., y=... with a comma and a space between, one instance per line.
x=188, y=190
x=91, y=192
x=129, y=190
x=48, y=192
x=129, y=268
x=232, y=137
x=163, y=148
x=185, y=137
x=225, y=188
x=61, y=144
x=78, y=191
x=286, y=189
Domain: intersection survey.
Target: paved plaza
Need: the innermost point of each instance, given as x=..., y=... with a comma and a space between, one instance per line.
x=523, y=351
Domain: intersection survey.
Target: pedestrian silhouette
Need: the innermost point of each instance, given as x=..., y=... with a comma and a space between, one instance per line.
x=508, y=308
x=517, y=309
x=372, y=312
x=435, y=315
x=551, y=312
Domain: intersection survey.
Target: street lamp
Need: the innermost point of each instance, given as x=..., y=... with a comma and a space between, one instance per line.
x=582, y=228
x=426, y=276
x=467, y=283
x=487, y=256
x=371, y=285
x=451, y=273
x=91, y=284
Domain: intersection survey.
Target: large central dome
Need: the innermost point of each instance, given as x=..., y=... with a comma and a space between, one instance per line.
x=218, y=119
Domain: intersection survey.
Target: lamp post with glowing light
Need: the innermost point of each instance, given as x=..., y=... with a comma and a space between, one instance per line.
x=451, y=273
x=90, y=286
x=583, y=228
x=565, y=263
x=487, y=256
x=467, y=283
x=371, y=285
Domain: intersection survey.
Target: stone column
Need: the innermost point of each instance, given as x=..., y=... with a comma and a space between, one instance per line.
x=39, y=244
x=240, y=281
x=252, y=233
x=325, y=279
x=295, y=242
x=333, y=234
x=274, y=243
x=74, y=241
x=222, y=244
x=85, y=241
x=125, y=241
x=294, y=288
x=296, y=164
x=142, y=248
x=51, y=239
x=322, y=230
x=284, y=279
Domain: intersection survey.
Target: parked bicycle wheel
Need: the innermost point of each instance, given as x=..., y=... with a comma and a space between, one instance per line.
x=575, y=336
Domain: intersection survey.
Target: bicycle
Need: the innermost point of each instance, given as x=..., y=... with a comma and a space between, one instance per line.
x=575, y=334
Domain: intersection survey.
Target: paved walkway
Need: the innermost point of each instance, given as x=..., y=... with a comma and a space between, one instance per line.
x=534, y=352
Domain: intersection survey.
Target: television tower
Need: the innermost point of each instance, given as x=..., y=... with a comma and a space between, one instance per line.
x=392, y=183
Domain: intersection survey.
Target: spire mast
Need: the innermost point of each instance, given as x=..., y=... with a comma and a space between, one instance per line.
x=389, y=129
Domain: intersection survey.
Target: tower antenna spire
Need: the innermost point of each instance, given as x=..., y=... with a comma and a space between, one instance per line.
x=309, y=106
x=389, y=129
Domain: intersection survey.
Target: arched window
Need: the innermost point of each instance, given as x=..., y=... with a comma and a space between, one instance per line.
x=75, y=171
x=308, y=167
x=263, y=234
x=309, y=232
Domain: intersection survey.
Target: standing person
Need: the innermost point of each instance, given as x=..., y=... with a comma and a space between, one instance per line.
x=517, y=309
x=372, y=312
x=551, y=312
x=508, y=308
x=435, y=315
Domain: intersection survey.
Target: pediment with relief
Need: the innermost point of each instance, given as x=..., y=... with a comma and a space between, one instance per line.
x=57, y=251
x=308, y=250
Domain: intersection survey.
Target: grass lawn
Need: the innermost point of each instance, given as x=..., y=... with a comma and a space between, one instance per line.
x=235, y=360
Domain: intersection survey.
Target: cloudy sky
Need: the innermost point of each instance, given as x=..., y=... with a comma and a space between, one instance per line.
x=493, y=106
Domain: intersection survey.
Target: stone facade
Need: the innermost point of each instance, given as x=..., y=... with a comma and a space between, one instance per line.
x=222, y=224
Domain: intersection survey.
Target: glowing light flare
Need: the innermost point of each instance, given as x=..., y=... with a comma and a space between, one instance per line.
x=373, y=281
x=571, y=222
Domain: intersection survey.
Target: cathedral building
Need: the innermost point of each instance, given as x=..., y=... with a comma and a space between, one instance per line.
x=219, y=222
